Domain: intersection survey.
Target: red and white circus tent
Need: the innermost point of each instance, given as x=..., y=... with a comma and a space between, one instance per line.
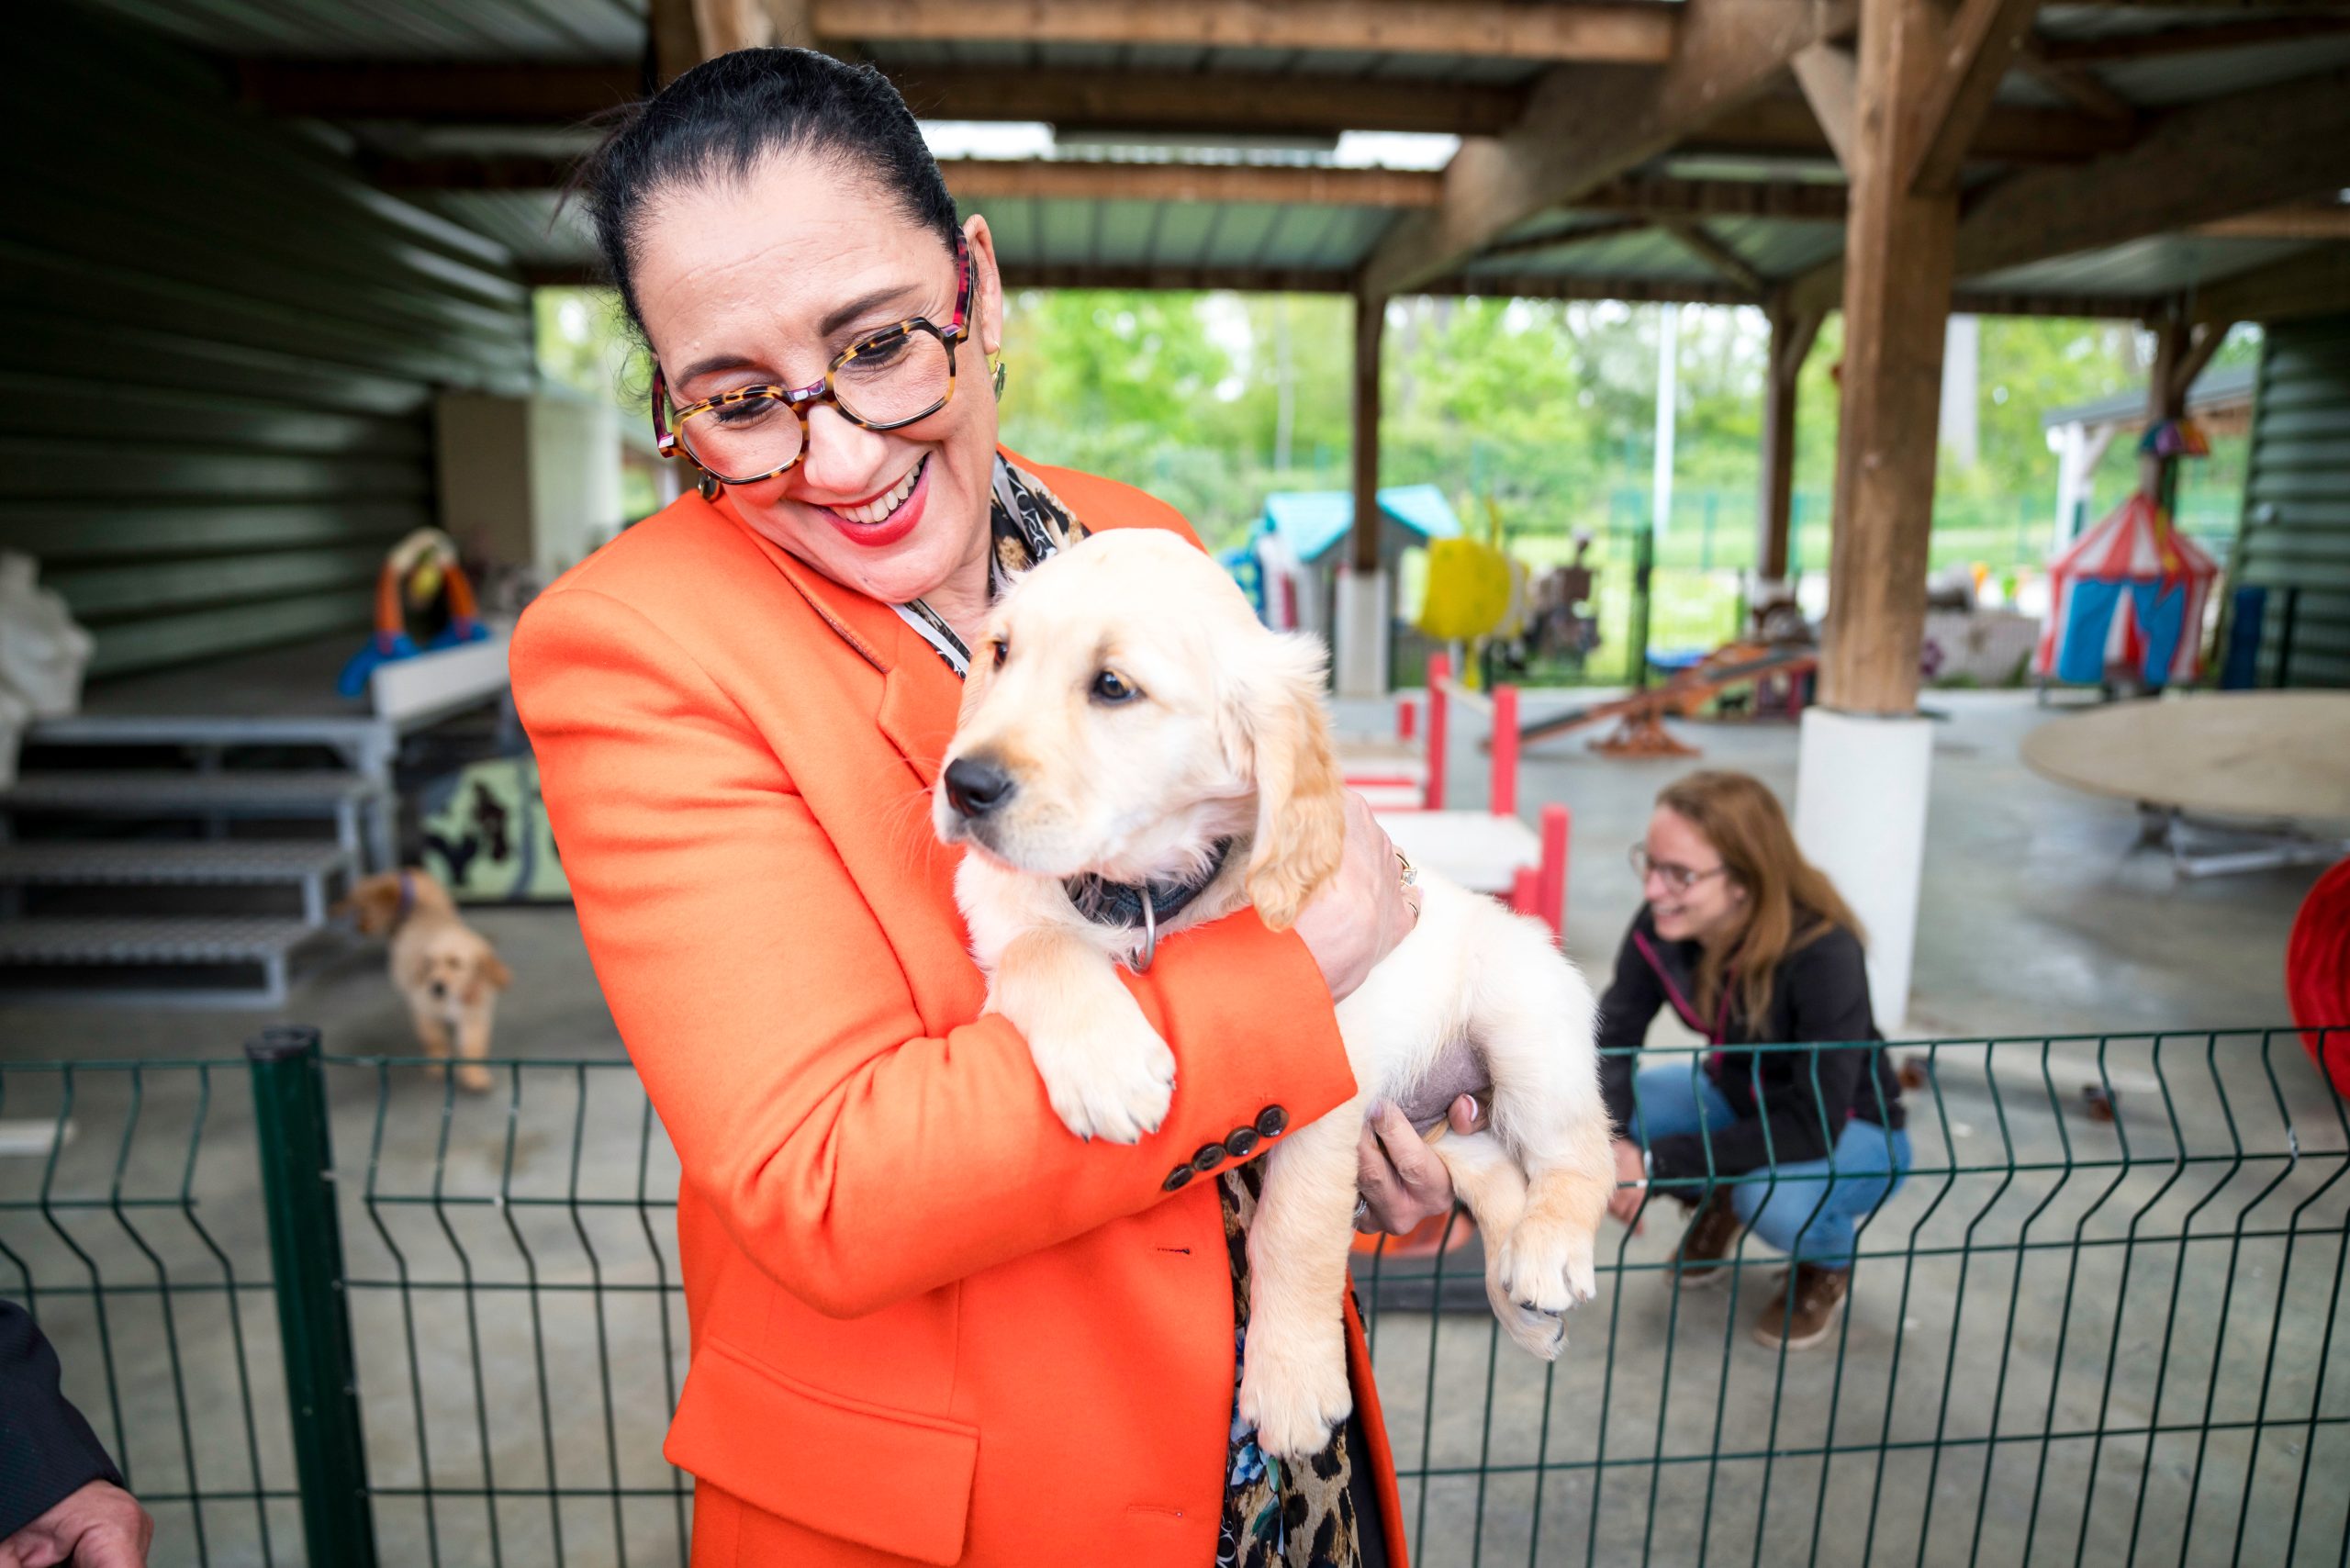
x=2128, y=593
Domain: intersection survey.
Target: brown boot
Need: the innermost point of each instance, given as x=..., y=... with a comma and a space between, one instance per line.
x=1708, y=1242
x=1818, y=1293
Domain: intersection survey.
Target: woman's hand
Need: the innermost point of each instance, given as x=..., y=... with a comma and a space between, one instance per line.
x=1632, y=1184
x=1403, y=1181
x=1362, y=912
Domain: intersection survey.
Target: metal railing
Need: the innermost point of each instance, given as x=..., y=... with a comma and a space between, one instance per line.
x=331, y=1309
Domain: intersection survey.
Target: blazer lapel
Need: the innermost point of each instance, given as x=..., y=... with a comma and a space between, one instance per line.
x=919, y=696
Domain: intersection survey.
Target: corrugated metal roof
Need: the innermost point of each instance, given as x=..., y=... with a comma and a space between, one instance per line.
x=416, y=29
x=523, y=221
x=2168, y=80
x=2163, y=265
x=1181, y=234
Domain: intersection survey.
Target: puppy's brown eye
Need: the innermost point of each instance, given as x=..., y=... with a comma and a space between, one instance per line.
x=1003, y=651
x=1112, y=687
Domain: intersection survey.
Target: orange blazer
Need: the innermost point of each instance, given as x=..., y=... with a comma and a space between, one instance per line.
x=928, y=1324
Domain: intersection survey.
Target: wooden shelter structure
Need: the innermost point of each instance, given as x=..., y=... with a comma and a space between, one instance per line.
x=2180, y=163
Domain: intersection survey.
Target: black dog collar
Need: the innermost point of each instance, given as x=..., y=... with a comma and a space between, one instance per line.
x=1123, y=905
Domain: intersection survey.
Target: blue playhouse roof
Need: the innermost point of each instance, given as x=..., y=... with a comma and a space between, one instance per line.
x=1311, y=521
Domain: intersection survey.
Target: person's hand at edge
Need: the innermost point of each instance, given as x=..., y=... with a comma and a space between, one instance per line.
x=1632, y=1184
x=101, y=1526
x=1361, y=913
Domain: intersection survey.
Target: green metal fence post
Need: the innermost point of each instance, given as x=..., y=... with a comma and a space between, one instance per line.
x=1643, y=577
x=313, y=1307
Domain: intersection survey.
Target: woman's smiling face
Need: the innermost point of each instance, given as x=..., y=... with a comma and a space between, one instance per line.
x=764, y=280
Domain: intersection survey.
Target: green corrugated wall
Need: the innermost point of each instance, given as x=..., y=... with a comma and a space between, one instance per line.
x=2297, y=499
x=217, y=352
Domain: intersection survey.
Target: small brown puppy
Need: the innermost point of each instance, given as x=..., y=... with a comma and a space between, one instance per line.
x=447, y=970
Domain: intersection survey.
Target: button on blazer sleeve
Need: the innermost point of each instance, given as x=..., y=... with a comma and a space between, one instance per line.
x=860, y=1157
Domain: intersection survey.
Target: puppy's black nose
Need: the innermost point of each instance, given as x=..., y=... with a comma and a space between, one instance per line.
x=440, y=991
x=975, y=786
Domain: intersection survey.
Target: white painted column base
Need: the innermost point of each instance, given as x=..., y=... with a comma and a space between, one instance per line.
x=1362, y=633
x=1861, y=817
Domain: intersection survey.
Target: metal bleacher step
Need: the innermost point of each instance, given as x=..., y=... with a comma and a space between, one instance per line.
x=157, y=793
x=132, y=943
x=162, y=792
x=213, y=863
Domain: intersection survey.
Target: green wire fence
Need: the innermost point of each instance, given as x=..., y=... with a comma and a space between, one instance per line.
x=331, y=1310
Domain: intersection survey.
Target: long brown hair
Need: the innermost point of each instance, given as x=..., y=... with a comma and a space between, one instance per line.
x=1790, y=903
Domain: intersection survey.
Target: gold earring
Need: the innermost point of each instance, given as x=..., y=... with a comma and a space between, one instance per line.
x=709, y=485
x=995, y=371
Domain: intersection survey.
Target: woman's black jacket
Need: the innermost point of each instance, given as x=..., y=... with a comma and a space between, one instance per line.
x=1791, y=1105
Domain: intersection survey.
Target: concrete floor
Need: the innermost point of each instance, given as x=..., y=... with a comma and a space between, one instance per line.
x=2041, y=919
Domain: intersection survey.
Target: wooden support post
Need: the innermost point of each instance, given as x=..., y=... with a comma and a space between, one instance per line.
x=1792, y=333
x=1897, y=300
x=1370, y=330
x=2167, y=383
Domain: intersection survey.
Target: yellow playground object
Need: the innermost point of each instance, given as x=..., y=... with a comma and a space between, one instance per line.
x=1468, y=593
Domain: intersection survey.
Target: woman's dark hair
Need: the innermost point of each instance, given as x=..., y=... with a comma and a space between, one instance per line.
x=721, y=118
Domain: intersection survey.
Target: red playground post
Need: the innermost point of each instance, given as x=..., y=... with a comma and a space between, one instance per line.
x=1551, y=893
x=1503, y=787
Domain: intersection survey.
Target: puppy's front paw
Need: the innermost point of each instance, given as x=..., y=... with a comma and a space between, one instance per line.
x=1548, y=1267
x=474, y=1078
x=1112, y=1083
x=1294, y=1396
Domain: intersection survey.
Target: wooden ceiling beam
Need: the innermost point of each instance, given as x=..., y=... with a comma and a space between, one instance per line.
x=2215, y=159
x=1795, y=199
x=1583, y=128
x=1565, y=239
x=1830, y=78
x=684, y=33
x=1983, y=39
x=1632, y=32
x=1180, y=101
x=2307, y=221
x=1785, y=124
x=986, y=179
x=1695, y=238
x=2078, y=84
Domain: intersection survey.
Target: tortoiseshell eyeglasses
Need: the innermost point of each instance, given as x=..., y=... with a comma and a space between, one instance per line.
x=883, y=382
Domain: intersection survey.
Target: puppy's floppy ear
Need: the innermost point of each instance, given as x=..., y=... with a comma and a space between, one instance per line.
x=1301, y=800
x=492, y=968
x=374, y=902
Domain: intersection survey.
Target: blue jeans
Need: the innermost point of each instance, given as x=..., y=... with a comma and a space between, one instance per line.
x=1811, y=1208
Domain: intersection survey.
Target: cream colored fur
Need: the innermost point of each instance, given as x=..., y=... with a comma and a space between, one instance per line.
x=445, y=970
x=1226, y=736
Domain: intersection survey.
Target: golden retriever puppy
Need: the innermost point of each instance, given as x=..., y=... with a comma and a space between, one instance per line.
x=446, y=970
x=1137, y=754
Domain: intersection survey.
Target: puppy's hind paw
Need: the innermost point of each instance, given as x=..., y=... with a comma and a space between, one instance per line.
x=1542, y=1335
x=1113, y=1088
x=1548, y=1267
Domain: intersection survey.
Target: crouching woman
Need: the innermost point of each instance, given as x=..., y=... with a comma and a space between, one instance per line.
x=1750, y=945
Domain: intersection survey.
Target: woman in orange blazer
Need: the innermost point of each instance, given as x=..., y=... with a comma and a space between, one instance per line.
x=928, y=1324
